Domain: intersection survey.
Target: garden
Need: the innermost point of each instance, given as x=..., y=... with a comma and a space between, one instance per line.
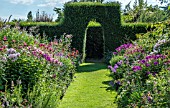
x=141, y=70
x=34, y=72
x=41, y=63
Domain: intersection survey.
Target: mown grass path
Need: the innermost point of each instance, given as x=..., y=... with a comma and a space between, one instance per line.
x=88, y=90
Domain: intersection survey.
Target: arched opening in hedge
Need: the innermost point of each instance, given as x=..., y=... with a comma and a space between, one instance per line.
x=94, y=42
x=78, y=15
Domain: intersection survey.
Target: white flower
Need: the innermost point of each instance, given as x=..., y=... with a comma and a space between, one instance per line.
x=11, y=51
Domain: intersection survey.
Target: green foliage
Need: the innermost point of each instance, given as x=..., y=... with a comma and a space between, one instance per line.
x=93, y=24
x=143, y=13
x=40, y=71
x=60, y=14
x=116, y=59
x=81, y=15
x=16, y=36
x=78, y=15
x=137, y=77
x=29, y=16
x=129, y=30
x=43, y=17
x=91, y=1
x=153, y=16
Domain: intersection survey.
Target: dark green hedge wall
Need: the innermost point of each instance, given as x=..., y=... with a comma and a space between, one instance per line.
x=49, y=29
x=131, y=29
x=54, y=29
x=78, y=15
x=76, y=19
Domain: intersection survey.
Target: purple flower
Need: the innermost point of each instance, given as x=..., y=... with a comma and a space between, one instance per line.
x=142, y=61
x=116, y=66
x=124, y=46
x=148, y=73
x=148, y=57
x=56, y=61
x=118, y=82
x=114, y=53
x=60, y=63
x=48, y=58
x=120, y=62
x=147, y=65
x=136, y=68
x=149, y=98
x=112, y=69
x=154, y=73
x=109, y=67
x=111, y=83
x=156, y=63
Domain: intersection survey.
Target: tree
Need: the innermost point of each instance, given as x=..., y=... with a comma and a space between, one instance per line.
x=127, y=7
x=60, y=13
x=29, y=16
x=92, y=1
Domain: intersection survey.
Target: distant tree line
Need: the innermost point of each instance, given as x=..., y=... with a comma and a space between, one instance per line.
x=141, y=12
x=88, y=1
x=40, y=17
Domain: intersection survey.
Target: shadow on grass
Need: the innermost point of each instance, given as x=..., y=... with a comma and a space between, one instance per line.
x=90, y=67
x=111, y=85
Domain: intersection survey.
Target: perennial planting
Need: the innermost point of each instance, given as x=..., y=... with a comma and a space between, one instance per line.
x=141, y=70
x=34, y=72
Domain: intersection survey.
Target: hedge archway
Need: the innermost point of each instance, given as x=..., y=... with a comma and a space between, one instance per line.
x=95, y=43
x=78, y=15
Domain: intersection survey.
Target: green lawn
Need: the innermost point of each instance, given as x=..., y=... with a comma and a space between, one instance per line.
x=88, y=90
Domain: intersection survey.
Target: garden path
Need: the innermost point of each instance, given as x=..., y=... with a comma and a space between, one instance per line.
x=89, y=88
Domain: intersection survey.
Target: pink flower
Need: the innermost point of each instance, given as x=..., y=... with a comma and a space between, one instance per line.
x=5, y=38
x=136, y=68
x=25, y=44
x=13, y=41
x=41, y=44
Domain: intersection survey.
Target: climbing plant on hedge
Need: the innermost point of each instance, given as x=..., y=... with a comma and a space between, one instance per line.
x=78, y=15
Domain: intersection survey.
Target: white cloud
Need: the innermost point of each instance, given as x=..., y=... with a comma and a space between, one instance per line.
x=47, y=5
x=52, y=3
x=25, y=2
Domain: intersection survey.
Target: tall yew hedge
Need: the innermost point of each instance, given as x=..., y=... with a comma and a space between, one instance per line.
x=77, y=15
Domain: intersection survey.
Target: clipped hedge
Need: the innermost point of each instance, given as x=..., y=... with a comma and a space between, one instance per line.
x=126, y=30
x=78, y=15
x=51, y=30
x=131, y=29
x=82, y=15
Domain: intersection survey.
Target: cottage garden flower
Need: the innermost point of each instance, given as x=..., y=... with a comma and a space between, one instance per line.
x=44, y=69
x=137, y=75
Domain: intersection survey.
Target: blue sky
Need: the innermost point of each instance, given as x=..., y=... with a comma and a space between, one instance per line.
x=20, y=8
